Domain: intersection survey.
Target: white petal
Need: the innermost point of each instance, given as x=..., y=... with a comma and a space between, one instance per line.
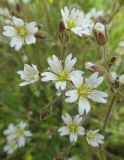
x=121, y=79
x=98, y=96
x=9, y=31
x=78, y=119
x=48, y=76
x=24, y=84
x=30, y=39
x=67, y=119
x=69, y=63
x=63, y=131
x=21, y=141
x=55, y=64
x=83, y=106
x=81, y=131
x=31, y=27
x=73, y=138
x=77, y=80
x=17, y=21
x=16, y=42
x=60, y=85
x=94, y=81
x=72, y=96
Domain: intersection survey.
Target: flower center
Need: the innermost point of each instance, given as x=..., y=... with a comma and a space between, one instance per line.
x=21, y=31
x=71, y=23
x=90, y=135
x=20, y=132
x=73, y=128
x=63, y=75
x=84, y=91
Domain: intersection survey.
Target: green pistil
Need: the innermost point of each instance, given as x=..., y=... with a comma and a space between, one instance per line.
x=73, y=128
x=20, y=132
x=84, y=91
x=71, y=23
x=90, y=135
x=63, y=75
x=22, y=31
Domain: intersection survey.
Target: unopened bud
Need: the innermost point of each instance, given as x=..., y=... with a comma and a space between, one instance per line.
x=95, y=68
x=40, y=35
x=63, y=33
x=61, y=26
x=112, y=61
x=45, y=113
x=100, y=33
x=18, y=7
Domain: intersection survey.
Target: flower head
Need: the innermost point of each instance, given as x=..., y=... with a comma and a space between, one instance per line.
x=16, y=137
x=30, y=74
x=58, y=73
x=76, y=21
x=20, y=33
x=94, y=138
x=84, y=91
x=73, y=127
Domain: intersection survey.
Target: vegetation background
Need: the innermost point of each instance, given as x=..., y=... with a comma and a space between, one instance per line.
x=25, y=103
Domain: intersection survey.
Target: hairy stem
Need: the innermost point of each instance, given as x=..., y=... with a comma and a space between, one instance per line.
x=108, y=113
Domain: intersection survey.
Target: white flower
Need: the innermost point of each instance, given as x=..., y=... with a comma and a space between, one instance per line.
x=17, y=134
x=94, y=14
x=73, y=158
x=94, y=138
x=121, y=44
x=30, y=74
x=73, y=127
x=76, y=21
x=20, y=33
x=58, y=73
x=84, y=90
x=10, y=147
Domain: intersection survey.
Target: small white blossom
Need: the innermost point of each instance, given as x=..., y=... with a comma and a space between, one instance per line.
x=30, y=74
x=94, y=138
x=16, y=136
x=84, y=91
x=59, y=74
x=73, y=127
x=94, y=14
x=20, y=33
x=76, y=21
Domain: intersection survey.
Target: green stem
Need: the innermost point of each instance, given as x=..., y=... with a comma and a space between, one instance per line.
x=108, y=113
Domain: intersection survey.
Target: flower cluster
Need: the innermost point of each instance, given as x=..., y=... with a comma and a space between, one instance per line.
x=74, y=129
x=16, y=137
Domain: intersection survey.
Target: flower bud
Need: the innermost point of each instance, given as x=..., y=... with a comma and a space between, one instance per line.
x=100, y=33
x=40, y=35
x=61, y=27
x=95, y=68
x=63, y=33
x=112, y=61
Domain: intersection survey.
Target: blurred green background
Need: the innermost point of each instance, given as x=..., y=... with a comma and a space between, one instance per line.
x=25, y=103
